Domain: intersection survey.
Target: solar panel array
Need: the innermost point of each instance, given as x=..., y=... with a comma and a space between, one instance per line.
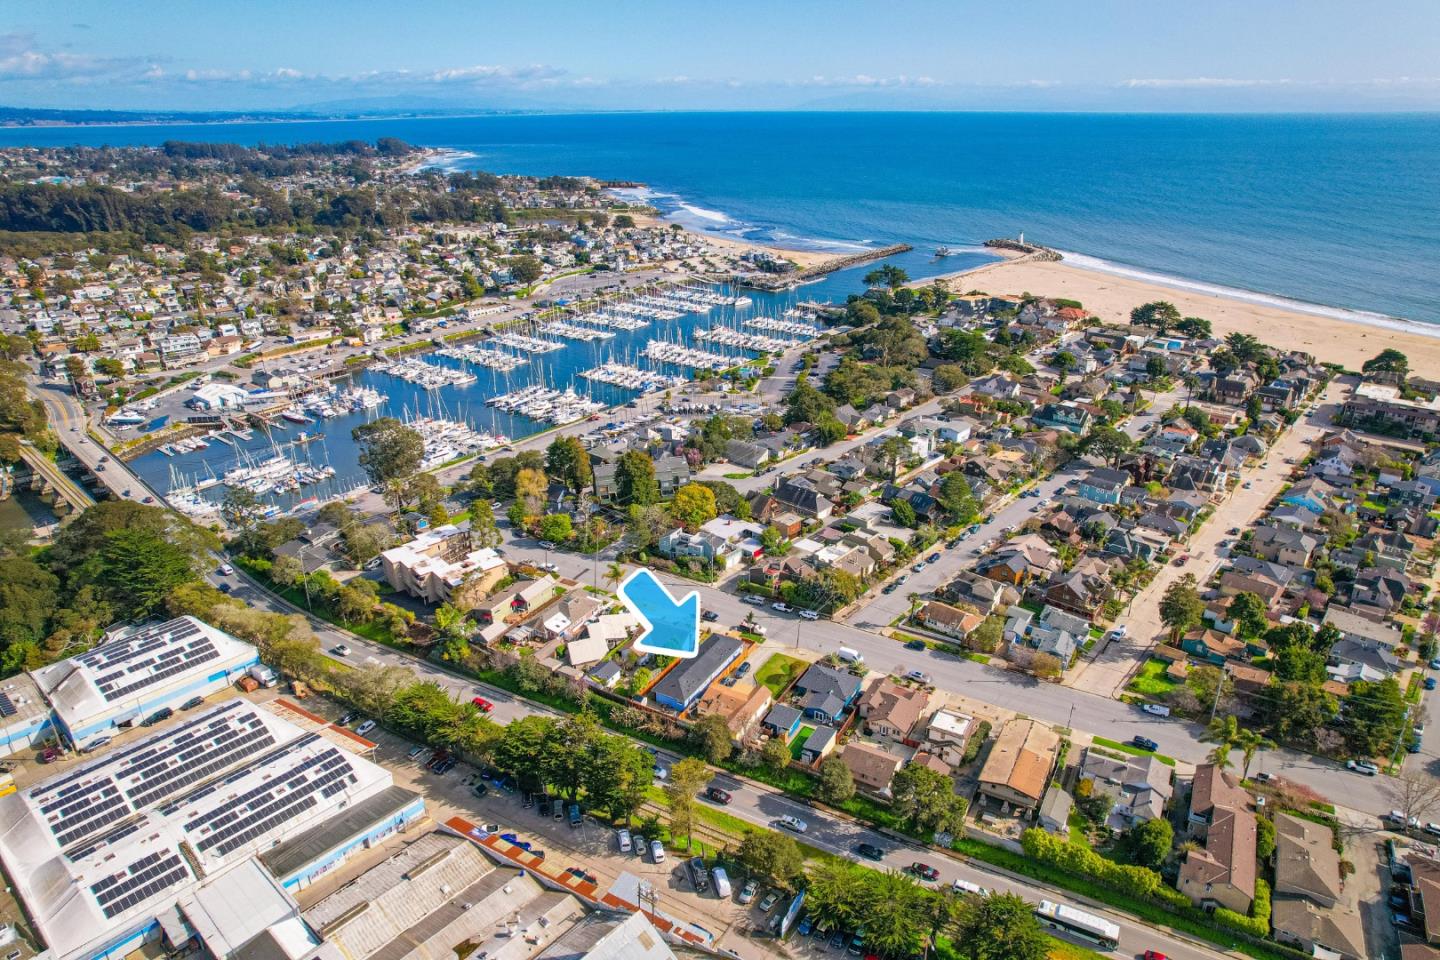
x=140, y=881
x=146, y=658
x=7, y=707
x=274, y=803
x=80, y=805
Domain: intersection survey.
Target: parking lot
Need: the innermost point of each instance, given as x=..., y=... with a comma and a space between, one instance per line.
x=590, y=847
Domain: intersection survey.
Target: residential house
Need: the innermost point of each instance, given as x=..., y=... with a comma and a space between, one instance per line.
x=1308, y=910
x=685, y=681
x=782, y=721
x=700, y=545
x=442, y=565
x=951, y=621
x=1019, y=765
x=820, y=744
x=1233, y=582
x=1139, y=786
x=1211, y=789
x=1222, y=873
x=1054, y=813
x=801, y=497
x=1348, y=661
x=745, y=454
x=872, y=767
x=1067, y=416
x=741, y=706
x=948, y=735
x=891, y=710
x=1378, y=592
x=981, y=594
x=1284, y=545
x=825, y=693
x=1312, y=493
x=1020, y=560
x=568, y=617
x=1360, y=630
x=496, y=612
x=1234, y=388
x=1103, y=485
x=1211, y=646
x=1079, y=592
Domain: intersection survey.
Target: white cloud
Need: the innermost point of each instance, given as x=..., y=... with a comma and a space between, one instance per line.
x=21, y=58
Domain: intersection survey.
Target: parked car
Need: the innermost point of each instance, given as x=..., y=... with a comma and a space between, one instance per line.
x=767, y=903
x=919, y=566
x=660, y=772
x=721, y=797
x=923, y=871
x=747, y=892
x=743, y=669
x=1429, y=683
x=919, y=676
x=622, y=838
x=699, y=875
x=915, y=645
x=1362, y=766
x=346, y=719
x=753, y=599
x=164, y=713
x=546, y=545
x=485, y=705
x=480, y=789
x=226, y=570
x=1435, y=664
x=192, y=703
x=1158, y=709
x=340, y=650
x=657, y=851
x=415, y=752
x=933, y=558
x=94, y=745
x=870, y=852
x=365, y=727
x=780, y=606
x=793, y=823
x=809, y=615
x=1144, y=743
x=709, y=616
x=889, y=588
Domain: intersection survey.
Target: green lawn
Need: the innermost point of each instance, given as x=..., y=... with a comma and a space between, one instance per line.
x=1127, y=748
x=1151, y=681
x=798, y=744
x=778, y=671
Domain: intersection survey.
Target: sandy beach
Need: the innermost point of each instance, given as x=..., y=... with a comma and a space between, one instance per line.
x=1111, y=297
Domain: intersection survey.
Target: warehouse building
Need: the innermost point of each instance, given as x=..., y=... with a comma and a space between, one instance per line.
x=25, y=719
x=158, y=841
x=136, y=672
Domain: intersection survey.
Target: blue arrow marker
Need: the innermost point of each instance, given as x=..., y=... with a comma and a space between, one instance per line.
x=671, y=629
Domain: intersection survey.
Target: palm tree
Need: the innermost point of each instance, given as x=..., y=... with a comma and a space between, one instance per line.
x=614, y=574
x=1250, y=743
x=1224, y=732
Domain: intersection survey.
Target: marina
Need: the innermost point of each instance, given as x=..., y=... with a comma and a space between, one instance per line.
x=680, y=355
x=791, y=323
x=757, y=342
x=632, y=378
x=468, y=399
x=483, y=357
x=427, y=375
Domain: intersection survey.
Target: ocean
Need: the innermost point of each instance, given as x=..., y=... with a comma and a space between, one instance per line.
x=1337, y=211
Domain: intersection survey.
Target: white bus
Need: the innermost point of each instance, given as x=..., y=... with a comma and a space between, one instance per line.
x=1078, y=923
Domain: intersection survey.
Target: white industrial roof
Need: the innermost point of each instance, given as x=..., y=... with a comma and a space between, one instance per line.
x=108, y=846
x=120, y=673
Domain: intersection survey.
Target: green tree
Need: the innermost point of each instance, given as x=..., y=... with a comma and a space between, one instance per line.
x=836, y=783
x=1250, y=743
x=1160, y=314
x=887, y=275
x=1375, y=713
x=806, y=404
x=949, y=378
x=635, y=483
x=775, y=754
x=135, y=569
x=1150, y=842
x=567, y=460
x=693, y=506
x=1180, y=606
x=686, y=779
x=1108, y=443
x=894, y=450
x=830, y=430
x=1296, y=712
x=1194, y=327
x=771, y=858
x=1001, y=926
x=903, y=513
x=1248, y=612
x=1388, y=360
x=986, y=638
x=556, y=527
x=956, y=498
x=926, y=800
x=389, y=450
x=711, y=736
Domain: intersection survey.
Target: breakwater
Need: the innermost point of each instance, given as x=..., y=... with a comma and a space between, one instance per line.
x=784, y=281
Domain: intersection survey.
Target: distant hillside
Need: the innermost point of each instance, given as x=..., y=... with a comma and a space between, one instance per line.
x=31, y=117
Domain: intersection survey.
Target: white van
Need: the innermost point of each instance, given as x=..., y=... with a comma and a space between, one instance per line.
x=623, y=838
x=849, y=655
x=722, y=883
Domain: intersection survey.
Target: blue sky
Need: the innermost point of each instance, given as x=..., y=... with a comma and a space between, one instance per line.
x=682, y=54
